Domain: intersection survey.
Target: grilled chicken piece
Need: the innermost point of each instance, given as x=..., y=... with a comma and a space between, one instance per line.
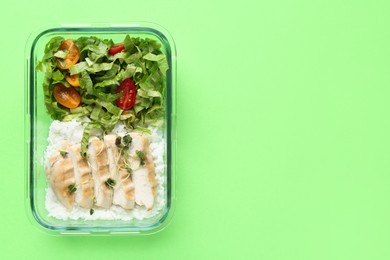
x=143, y=170
x=123, y=188
x=60, y=175
x=84, y=182
x=99, y=163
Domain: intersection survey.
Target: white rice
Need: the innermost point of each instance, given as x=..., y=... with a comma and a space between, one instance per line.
x=72, y=132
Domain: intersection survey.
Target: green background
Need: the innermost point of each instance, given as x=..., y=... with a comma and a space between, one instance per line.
x=283, y=130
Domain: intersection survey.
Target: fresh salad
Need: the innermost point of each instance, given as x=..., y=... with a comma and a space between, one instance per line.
x=105, y=82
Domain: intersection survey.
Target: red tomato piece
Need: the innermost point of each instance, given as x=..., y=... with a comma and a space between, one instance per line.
x=127, y=100
x=116, y=48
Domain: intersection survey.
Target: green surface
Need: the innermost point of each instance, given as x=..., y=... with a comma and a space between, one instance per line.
x=283, y=130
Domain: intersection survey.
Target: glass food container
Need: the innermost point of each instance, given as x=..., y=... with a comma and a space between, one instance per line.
x=38, y=121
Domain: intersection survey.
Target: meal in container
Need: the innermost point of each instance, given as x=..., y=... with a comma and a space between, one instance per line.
x=105, y=153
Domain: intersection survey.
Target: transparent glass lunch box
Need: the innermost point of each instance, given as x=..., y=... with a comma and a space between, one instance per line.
x=37, y=124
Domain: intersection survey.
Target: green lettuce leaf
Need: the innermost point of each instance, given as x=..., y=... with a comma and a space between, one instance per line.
x=128, y=72
x=61, y=54
x=95, y=67
x=143, y=130
x=86, y=135
x=86, y=82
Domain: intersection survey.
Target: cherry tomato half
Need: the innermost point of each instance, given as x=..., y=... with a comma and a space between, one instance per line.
x=116, y=48
x=127, y=101
x=71, y=58
x=68, y=97
x=73, y=80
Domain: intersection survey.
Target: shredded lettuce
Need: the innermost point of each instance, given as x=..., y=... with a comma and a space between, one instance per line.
x=86, y=82
x=61, y=54
x=100, y=74
x=86, y=134
x=89, y=66
x=143, y=130
x=57, y=76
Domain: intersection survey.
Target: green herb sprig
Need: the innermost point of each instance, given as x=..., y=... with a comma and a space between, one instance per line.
x=72, y=188
x=110, y=183
x=141, y=156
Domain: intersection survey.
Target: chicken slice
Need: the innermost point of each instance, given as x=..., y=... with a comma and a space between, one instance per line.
x=60, y=175
x=123, y=188
x=98, y=160
x=144, y=174
x=84, y=193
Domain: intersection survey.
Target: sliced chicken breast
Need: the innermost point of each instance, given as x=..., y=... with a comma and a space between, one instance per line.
x=144, y=174
x=84, y=193
x=123, y=188
x=99, y=163
x=60, y=175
